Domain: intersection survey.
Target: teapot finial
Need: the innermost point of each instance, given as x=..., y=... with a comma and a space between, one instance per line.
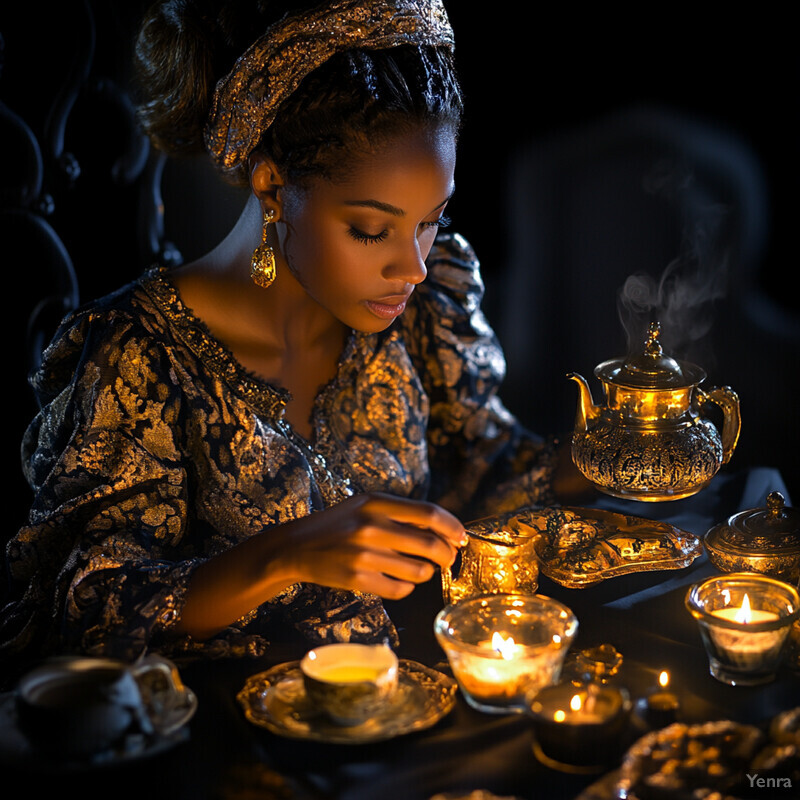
x=775, y=503
x=652, y=346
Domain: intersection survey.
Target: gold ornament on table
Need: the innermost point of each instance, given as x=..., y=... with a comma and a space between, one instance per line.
x=262, y=265
x=575, y=547
x=765, y=540
x=651, y=439
x=493, y=562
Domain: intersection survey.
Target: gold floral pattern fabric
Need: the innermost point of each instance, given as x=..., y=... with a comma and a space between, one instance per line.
x=155, y=450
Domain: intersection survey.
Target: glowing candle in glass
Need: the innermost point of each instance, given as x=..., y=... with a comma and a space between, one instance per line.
x=502, y=646
x=744, y=620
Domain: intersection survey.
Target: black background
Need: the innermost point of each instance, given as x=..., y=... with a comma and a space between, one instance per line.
x=532, y=73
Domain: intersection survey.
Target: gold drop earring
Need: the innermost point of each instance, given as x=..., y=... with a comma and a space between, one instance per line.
x=262, y=265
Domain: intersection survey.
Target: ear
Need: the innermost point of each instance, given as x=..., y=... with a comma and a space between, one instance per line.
x=266, y=181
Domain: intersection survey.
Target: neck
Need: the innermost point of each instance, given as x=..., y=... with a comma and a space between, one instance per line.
x=284, y=316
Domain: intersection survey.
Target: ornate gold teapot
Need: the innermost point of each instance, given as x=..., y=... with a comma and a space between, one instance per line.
x=651, y=440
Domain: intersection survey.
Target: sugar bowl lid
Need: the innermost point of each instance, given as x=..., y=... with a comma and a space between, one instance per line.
x=770, y=534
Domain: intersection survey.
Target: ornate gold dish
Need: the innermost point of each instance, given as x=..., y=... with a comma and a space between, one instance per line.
x=578, y=547
x=765, y=540
x=277, y=700
x=651, y=439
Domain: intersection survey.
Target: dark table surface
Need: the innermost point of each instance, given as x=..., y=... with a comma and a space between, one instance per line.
x=642, y=615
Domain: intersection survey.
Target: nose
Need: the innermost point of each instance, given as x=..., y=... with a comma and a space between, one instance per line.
x=408, y=265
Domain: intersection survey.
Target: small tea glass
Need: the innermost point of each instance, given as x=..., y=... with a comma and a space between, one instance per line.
x=501, y=647
x=500, y=562
x=744, y=620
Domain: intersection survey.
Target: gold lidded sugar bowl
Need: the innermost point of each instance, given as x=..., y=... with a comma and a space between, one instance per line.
x=652, y=440
x=765, y=540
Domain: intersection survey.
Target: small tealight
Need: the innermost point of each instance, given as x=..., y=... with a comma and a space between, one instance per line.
x=579, y=728
x=660, y=707
x=744, y=621
x=350, y=682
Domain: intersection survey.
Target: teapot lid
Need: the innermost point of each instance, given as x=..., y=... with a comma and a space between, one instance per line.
x=771, y=531
x=650, y=369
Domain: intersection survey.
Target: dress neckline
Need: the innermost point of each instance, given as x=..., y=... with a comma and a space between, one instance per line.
x=265, y=398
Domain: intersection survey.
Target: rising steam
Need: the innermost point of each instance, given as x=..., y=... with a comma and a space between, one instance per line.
x=682, y=297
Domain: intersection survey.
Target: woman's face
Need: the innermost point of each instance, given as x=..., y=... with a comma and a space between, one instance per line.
x=358, y=245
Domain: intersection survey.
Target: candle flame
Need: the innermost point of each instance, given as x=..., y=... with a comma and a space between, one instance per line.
x=663, y=679
x=575, y=704
x=559, y=715
x=503, y=646
x=744, y=614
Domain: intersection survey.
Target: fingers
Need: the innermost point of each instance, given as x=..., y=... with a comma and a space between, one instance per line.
x=419, y=514
x=385, y=573
x=398, y=567
x=374, y=543
x=389, y=535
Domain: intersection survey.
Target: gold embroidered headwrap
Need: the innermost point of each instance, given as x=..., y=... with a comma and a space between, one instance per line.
x=246, y=100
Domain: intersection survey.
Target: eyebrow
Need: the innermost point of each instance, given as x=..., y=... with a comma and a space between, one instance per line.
x=388, y=207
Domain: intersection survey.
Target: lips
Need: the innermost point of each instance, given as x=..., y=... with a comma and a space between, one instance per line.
x=388, y=307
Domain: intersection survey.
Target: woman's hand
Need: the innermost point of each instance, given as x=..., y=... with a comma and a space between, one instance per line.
x=373, y=543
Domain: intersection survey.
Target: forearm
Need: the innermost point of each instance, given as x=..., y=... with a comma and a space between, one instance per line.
x=233, y=583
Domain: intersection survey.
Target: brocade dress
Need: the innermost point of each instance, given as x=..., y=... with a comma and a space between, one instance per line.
x=155, y=450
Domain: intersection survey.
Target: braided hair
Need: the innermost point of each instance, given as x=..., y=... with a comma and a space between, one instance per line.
x=351, y=104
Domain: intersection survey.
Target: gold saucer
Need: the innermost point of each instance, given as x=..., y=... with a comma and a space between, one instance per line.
x=277, y=700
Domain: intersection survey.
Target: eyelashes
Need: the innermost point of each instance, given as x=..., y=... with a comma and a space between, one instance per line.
x=367, y=238
x=442, y=222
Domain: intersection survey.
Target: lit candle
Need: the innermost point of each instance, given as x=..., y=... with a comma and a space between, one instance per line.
x=660, y=707
x=501, y=647
x=505, y=671
x=744, y=620
x=744, y=647
x=579, y=728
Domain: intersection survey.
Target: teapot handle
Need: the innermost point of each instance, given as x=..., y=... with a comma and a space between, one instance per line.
x=728, y=401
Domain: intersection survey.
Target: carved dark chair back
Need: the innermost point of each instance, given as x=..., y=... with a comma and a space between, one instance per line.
x=75, y=172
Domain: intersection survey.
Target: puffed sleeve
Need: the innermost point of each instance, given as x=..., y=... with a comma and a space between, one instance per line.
x=482, y=460
x=101, y=567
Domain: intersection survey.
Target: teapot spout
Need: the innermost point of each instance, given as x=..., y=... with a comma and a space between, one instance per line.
x=587, y=410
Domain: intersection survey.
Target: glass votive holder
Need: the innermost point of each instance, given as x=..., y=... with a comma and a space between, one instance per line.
x=501, y=647
x=579, y=727
x=744, y=620
x=498, y=562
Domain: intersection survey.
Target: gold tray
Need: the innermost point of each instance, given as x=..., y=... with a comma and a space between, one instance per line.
x=580, y=546
x=276, y=700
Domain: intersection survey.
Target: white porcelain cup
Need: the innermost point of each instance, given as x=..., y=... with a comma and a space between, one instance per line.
x=350, y=682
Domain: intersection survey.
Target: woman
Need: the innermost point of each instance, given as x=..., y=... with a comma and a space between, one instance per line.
x=266, y=441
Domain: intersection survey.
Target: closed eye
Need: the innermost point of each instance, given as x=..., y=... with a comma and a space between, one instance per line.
x=442, y=222
x=370, y=238
x=367, y=238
